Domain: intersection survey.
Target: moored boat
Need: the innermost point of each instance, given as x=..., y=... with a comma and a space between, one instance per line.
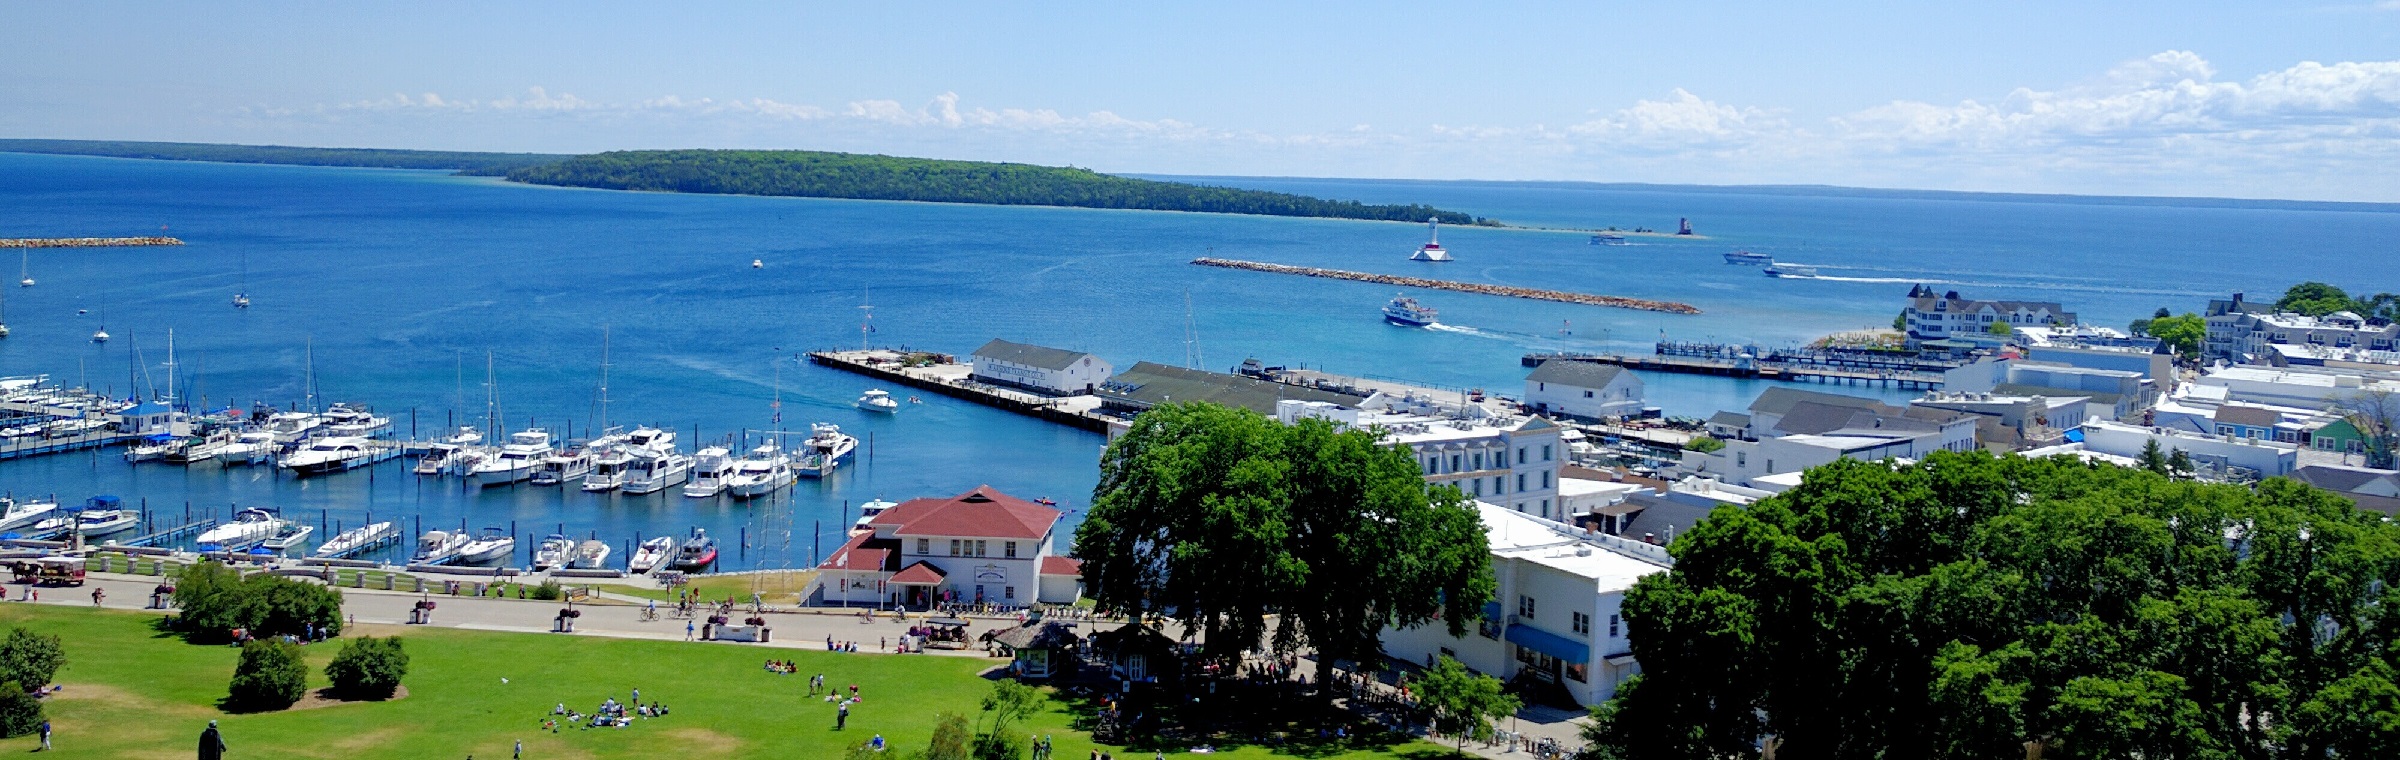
x=825, y=450
x=709, y=470
x=555, y=551
x=650, y=555
x=18, y=514
x=515, y=461
x=332, y=454
x=589, y=555
x=694, y=553
x=495, y=545
x=358, y=539
x=438, y=547
x=867, y=513
x=765, y=470
x=249, y=528
x=291, y=536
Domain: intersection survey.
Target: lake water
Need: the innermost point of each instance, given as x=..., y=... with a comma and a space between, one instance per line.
x=400, y=282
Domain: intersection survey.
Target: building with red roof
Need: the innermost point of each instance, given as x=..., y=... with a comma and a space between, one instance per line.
x=982, y=546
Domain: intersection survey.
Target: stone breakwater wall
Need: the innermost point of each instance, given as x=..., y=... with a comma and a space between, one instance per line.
x=1511, y=291
x=85, y=242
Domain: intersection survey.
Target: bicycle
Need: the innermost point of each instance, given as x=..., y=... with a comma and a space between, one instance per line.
x=649, y=614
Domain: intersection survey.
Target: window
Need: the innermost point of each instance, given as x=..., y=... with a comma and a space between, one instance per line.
x=1582, y=623
x=1455, y=460
x=1545, y=480
x=1577, y=670
x=1545, y=452
x=1525, y=607
x=1520, y=455
x=954, y=547
x=1612, y=626
x=1499, y=484
x=924, y=546
x=1546, y=508
x=1520, y=482
x=1741, y=459
x=1008, y=592
x=1478, y=460
x=1770, y=466
x=1479, y=486
x=1587, y=394
x=1011, y=549
x=979, y=548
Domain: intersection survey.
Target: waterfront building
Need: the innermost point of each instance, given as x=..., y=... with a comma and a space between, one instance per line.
x=982, y=546
x=2109, y=394
x=1557, y=617
x=2247, y=333
x=1583, y=390
x=1149, y=384
x=2013, y=423
x=1930, y=317
x=1794, y=430
x=1053, y=371
x=2222, y=458
x=1511, y=461
x=2156, y=367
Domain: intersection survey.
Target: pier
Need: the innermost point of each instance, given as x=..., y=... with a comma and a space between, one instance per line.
x=35, y=446
x=941, y=373
x=86, y=242
x=1836, y=368
x=1587, y=299
x=190, y=528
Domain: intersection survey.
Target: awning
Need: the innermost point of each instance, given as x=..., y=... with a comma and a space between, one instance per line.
x=1619, y=660
x=1548, y=643
x=2074, y=435
x=1491, y=611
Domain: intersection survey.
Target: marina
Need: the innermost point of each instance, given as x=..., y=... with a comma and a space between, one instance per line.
x=1751, y=362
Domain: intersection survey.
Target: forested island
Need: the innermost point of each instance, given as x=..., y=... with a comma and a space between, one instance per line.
x=817, y=174
x=800, y=173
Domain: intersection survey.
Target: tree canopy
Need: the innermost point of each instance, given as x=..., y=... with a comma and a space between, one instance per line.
x=1463, y=704
x=1968, y=605
x=464, y=162
x=2318, y=299
x=1222, y=519
x=2182, y=334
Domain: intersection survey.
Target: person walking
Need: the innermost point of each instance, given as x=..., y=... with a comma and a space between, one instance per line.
x=212, y=744
x=519, y=754
x=841, y=718
x=687, y=630
x=45, y=735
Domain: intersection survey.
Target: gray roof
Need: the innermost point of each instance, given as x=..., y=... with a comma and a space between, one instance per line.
x=1813, y=417
x=1729, y=419
x=1661, y=517
x=1577, y=374
x=2251, y=416
x=2096, y=397
x=1030, y=355
x=2338, y=479
x=1780, y=400
x=1149, y=384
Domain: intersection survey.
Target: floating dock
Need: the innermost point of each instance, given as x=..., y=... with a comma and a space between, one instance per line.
x=30, y=446
x=86, y=242
x=941, y=373
x=1587, y=299
x=169, y=534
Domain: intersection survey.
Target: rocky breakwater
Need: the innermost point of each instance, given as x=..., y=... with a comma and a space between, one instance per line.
x=85, y=242
x=1511, y=291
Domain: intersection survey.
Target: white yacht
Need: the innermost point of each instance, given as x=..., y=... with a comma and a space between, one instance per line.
x=515, y=461
x=609, y=468
x=826, y=449
x=292, y=427
x=438, y=455
x=202, y=449
x=18, y=514
x=495, y=545
x=555, y=551
x=152, y=448
x=1404, y=310
x=653, y=470
x=290, y=537
x=709, y=470
x=867, y=513
x=875, y=400
x=253, y=447
x=563, y=465
x=1791, y=271
x=249, y=527
x=354, y=540
x=438, y=547
x=765, y=470
x=1432, y=250
x=358, y=421
x=106, y=522
x=331, y=454
x=589, y=555
x=651, y=438
x=650, y=554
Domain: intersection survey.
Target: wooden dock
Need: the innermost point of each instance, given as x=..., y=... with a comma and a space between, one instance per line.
x=1538, y=294
x=1755, y=369
x=168, y=534
x=890, y=365
x=38, y=446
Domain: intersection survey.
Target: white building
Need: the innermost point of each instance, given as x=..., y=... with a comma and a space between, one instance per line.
x=1048, y=370
x=1585, y=390
x=2221, y=457
x=982, y=546
x=1929, y=317
x=1509, y=461
x=2247, y=333
x=1557, y=615
x=1794, y=430
x=2108, y=393
x=2306, y=388
x=2012, y=423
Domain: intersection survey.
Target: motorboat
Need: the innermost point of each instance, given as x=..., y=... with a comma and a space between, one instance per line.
x=1747, y=258
x=709, y=470
x=332, y=454
x=201, y=449
x=515, y=461
x=71, y=428
x=555, y=551
x=152, y=448
x=1791, y=271
x=353, y=420
x=358, y=539
x=249, y=528
x=495, y=545
x=651, y=438
x=1404, y=310
x=43, y=530
x=694, y=553
x=765, y=470
x=438, y=455
x=290, y=537
x=438, y=547
x=1432, y=250
x=1608, y=238
x=18, y=514
x=293, y=427
x=825, y=450
x=252, y=447
x=650, y=555
x=876, y=400
x=563, y=465
x=867, y=513
x=609, y=468
x=653, y=470
x=106, y=522
x=589, y=555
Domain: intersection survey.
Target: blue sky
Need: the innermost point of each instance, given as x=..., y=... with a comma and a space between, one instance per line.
x=2259, y=99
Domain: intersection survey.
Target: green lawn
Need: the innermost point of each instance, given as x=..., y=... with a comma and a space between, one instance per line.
x=132, y=692
x=781, y=588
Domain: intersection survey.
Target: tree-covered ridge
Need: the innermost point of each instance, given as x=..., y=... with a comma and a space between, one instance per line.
x=463, y=162
x=817, y=174
x=1969, y=606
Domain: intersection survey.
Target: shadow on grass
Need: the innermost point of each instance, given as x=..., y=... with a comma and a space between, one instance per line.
x=1237, y=715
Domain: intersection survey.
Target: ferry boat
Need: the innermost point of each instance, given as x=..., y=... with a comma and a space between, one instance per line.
x=589, y=555
x=695, y=553
x=1747, y=258
x=438, y=547
x=1404, y=310
x=876, y=400
x=709, y=470
x=357, y=539
x=764, y=471
x=291, y=536
x=495, y=545
x=1793, y=271
x=515, y=461
x=1608, y=238
x=1432, y=249
x=325, y=456
x=653, y=470
x=650, y=555
x=826, y=449
x=555, y=551
x=18, y=514
x=867, y=513
x=249, y=527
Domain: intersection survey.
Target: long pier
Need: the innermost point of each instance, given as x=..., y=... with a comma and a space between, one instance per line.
x=936, y=380
x=86, y=242
x=1587, y=299
x=1754, y=369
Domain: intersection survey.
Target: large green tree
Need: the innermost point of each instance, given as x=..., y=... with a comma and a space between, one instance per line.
x=1463, y=704
x=1252, y=532
x=1971, y=605
x=2315, y=299
x=2182, y=334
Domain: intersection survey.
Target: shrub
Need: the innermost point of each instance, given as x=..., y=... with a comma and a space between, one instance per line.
x=215, y=599
x=367, y=668
x=269, y=677
x=1704, y=444
x=30, y=659
x=950, y=738
x=20, y=713
x=548, y=591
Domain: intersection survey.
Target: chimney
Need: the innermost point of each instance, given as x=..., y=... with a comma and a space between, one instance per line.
x=2237, y=299
x=1650, y=538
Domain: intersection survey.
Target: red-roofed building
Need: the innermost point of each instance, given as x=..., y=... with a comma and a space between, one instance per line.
x=979, y=546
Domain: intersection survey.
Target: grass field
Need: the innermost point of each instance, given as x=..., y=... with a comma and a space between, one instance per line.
x=132, y=692
x=780, y=588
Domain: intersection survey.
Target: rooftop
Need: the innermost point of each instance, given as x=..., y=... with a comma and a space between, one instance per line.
x=1575, y=373
x=1522, y=536
x=1149, y=384
x=1029, y=355
x=984, y=512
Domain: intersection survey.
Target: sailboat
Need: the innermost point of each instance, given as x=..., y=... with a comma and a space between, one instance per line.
x=241, y=295
x=101, y=335
x=25, y=268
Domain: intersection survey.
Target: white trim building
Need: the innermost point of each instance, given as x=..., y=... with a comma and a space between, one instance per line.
x=1583, y=390
x=1036, y=368
x=1513, y=462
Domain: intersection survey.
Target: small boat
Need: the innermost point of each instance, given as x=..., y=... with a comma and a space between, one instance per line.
x=1404, y=310
x=653, y=470
x=609, y=468
x=876, y=400
x=357, y=539
x=709, y=470
x=252, y=447
x=695, y=553
x=197, y=450
x=495, y=545
x=25, y=268
x=1608, y=238
x=650, y=555
x=765, y=470
x=152, y=448
x=249, y=527
x=559, y=467
x=325, y=456
x=1791, y=271
x=1432, y=250
x=555, y=551
x=290, y=537
x=41, y=531
x=356, y=421
x=1747, y=258
x=867, y=513
x=589, y=555
x=438, y=547
x=438, y=455
x=293, y=427
x=825, y=450
x=106, y=522
x=515, y=461
x=758, y=263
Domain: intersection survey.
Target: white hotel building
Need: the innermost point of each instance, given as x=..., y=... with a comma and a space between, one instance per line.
x=1512, y=462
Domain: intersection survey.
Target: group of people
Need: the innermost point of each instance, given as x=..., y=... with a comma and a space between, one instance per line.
x=783, y=667
x=839, y=646
x=611, y=714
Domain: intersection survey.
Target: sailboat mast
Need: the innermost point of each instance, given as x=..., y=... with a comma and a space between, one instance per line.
x=170, y=367
x=603, y=380
x=491, y=399
x=866, y=319
x=308, y=373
